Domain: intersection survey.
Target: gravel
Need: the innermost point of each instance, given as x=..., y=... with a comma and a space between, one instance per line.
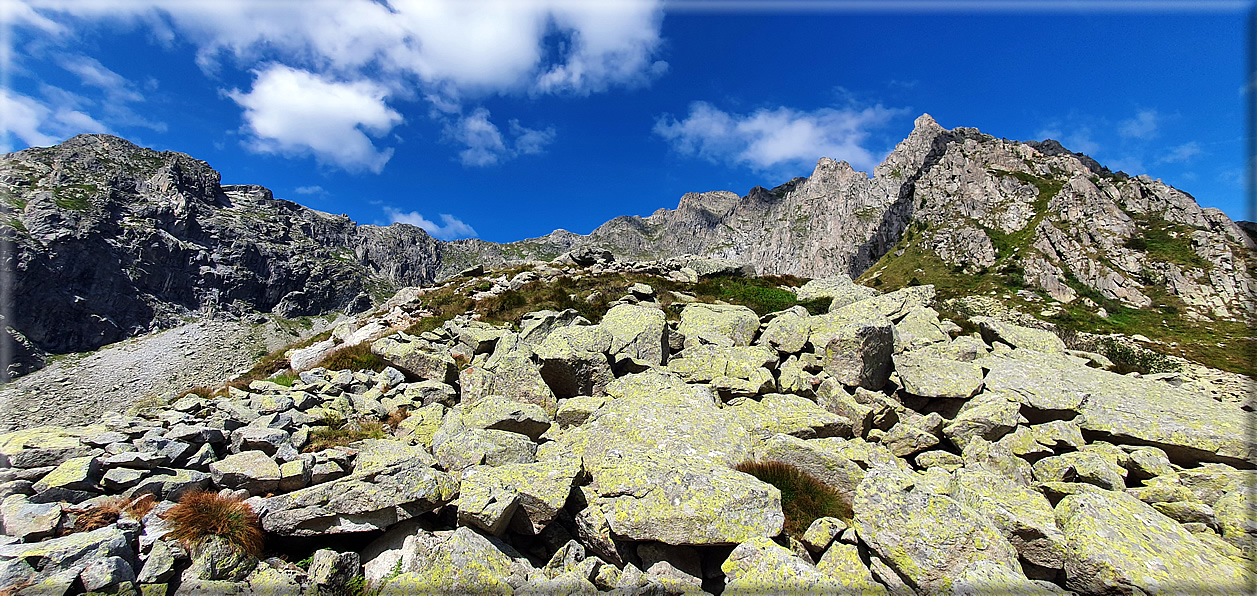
x=78, y=388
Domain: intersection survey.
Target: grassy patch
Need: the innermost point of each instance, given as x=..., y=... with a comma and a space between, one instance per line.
x=73, y=196
x=1006, y=244
x=1167, y=242
x=358, y=357
x=338, y=433
x=804, y=499
x=200, y=515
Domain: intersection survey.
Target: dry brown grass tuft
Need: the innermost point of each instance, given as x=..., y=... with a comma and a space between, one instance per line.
x=201, y=514
x=108, y=512
x=804, y=499
x=397, y=417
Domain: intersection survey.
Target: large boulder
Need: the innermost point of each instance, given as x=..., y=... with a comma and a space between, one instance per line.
x=1019, y=337
x=1188, y=426
x=574, y=360
x=457, y=562
x=416, y=357
x=719, y=324
x=893, y=305
x=680, y=500
x=821, y=458
x=657, y=412
x=926, y=376
x=787, y=332
x=513, y=375
x=1116, y=544
x=760, y=566
x=788, y=414
x=252, y=471
x=536, y=492
x=744, y=368
x=857, y=351
x=360, y=502
x=637, y=332
x=925, y=537
x=1023, y=515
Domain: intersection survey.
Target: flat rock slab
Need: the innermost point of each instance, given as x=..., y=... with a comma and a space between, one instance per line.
x=1118, y=544
x=360, y=502
x=678, y=500
x=1190, y=427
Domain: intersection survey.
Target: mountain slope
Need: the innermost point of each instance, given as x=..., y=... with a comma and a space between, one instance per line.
x=111, y=240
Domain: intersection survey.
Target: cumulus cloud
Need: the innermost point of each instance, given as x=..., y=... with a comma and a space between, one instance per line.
x=487, y=145
x=37, y=124
x=770, y=137
x=1143, y=126
x=309, y=190
x=451, y=228
x=290, y=111
x=454, y=46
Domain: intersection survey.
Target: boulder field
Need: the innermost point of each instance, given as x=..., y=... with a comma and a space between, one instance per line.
x=562, y=456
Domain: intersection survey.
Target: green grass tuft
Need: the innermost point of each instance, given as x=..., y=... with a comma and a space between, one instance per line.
x=358, y=357
x=201, y=514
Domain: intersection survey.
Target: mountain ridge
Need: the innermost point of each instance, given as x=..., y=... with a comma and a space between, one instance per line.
x=113, y=240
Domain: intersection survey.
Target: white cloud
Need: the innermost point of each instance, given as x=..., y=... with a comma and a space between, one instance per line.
x=453, y=228
x=40, y=125
x=1078, y=139
x=1181, y=153
x=92, y=73
x=1143, y=126
x=292, y=111
x=768, y=138
x=486, y=145
x=309, y=190
x=452, y=45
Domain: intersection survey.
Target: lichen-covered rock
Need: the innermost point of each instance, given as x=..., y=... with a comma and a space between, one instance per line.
x=1023, y=515
x=332, y=571
x=78, y=474
x=857, y=352
x=1117, y=544
x=107, y=574
x=217, y=559
x=1080, y=466
x=501, y=413
x=822, y=532
x=360, y=502
x=787, y=332
x=574, y=411
x=375, y=455
x=458, y=562
x=759, y=566
x=422, y=424
x=1019, y=337
x=990, y=416
x=719, y=324
x=29, y=521
x=252, y=471
x=655, y=412
x=920, y=327
x=485, y=501
x=680, y=500
x=892, y=305
x=841, y=563
x=705, y=363
x=985, y=577
x=817, y=457
x=926, y=376
x=475, y=446
x=906, y=439
x=539, y=490
x=1183, y=424
x=41, y=446
x=638, y=332
x=926, y=538
x=416, y=358
x=512, y=375
x=788, y=414
x=1236, y=512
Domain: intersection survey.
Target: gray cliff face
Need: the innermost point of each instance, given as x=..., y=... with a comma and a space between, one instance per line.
x=110, y=240
x=1063, y=220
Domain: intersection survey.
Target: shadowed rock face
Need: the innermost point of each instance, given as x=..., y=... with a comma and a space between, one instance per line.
x=111, y=240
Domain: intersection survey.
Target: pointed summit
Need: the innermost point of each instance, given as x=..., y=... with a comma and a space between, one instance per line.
x=926, y=121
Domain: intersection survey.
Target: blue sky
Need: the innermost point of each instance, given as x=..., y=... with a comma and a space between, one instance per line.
x=506, y=119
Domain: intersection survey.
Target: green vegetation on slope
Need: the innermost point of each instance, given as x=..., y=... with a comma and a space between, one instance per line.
x=804, y=499
x=1167, y=242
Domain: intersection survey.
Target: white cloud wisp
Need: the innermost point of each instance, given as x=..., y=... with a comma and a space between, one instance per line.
x=772, y=137
x=452, y=227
